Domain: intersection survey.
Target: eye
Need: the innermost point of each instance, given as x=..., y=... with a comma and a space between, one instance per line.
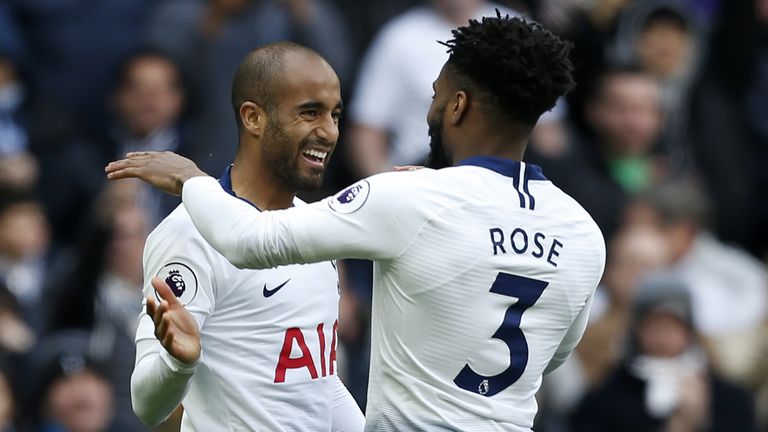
x=310, y=114
x=336, y=115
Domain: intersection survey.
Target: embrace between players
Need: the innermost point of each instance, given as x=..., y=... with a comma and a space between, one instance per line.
x=484, y=271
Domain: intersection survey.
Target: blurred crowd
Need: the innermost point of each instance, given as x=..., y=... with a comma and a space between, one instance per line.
x=664, y=142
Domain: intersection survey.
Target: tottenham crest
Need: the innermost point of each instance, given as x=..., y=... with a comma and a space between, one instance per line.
x=350, y=199
x=181, y=279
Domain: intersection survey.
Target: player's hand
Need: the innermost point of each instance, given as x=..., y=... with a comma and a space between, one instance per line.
x=175, y=328
x=407, y=167
x=164, y=170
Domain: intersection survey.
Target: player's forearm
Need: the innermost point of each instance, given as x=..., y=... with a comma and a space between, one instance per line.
x=158, y=385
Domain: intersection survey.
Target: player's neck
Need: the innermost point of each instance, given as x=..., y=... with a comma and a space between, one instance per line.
x=257, y=185
x=500, y=147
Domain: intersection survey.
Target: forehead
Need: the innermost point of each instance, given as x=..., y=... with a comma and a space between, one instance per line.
x=307, y=77
x=441, y=77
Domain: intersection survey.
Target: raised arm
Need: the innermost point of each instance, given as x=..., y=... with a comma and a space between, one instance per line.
x=371, y=219
x=361, y=221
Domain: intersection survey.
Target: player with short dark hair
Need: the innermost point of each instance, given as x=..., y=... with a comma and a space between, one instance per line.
x=484, y=271
x=239, y=359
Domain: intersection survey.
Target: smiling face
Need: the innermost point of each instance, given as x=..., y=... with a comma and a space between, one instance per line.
x=303, y=127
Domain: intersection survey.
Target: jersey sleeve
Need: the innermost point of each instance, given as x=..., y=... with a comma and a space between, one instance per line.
x=368, y=220
x=572, y=337
x=159, y=382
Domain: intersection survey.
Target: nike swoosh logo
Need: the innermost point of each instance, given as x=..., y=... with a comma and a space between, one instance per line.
x=269, y=293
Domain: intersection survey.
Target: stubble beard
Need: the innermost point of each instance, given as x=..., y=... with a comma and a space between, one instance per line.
x=277, y=152
x=438, y=157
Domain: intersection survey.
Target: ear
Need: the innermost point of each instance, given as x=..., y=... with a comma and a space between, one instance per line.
x=459, y=107
x=254, y=118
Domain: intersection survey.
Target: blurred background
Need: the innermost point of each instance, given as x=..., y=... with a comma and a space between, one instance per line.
x=664, y=142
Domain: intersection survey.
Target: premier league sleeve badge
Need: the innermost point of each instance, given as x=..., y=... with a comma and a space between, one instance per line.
x=182, y=281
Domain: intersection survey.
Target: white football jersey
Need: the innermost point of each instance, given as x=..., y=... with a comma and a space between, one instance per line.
x=268, y=336
x=483, y=278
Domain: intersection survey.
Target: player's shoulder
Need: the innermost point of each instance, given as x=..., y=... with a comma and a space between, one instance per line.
x=405, y=183
x=177, y=228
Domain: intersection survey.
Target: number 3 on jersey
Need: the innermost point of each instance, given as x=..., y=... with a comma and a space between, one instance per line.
x=527, y=291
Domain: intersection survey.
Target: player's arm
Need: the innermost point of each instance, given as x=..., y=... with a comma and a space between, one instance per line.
x=373, y=219
x=347, y=416
x=571, y=339
x=367, y=220
x=168, y=347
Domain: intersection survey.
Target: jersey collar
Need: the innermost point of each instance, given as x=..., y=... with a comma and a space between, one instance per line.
x=505, y=167
x=226, y=183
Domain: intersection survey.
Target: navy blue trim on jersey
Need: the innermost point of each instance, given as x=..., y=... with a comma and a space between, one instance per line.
x=516, y=184
x=527, y=176
x=503, y=166
x=510, y=168
x=226, y=183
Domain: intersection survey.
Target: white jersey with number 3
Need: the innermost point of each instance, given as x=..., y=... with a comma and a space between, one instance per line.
x=483, y=278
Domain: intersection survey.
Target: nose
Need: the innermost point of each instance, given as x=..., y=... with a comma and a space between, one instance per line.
x=328, y=130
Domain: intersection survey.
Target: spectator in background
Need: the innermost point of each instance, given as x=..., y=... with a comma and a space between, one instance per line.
x=591, y=28
x=15, y=335
x=71, y=391
x=24, y=252
x=18, y=167
x=147, y=107
x=70, y=49
x=394, y=87
x=604, y=170
x=212, y=36
x=664, y=383
x=729, y=287
x=8, y=412
x=101, y=293
x=665, y=39
x=729, y=106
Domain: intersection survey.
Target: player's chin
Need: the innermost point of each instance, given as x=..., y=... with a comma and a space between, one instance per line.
x=311, y=180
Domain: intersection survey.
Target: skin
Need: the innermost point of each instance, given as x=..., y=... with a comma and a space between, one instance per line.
x=150, y=96
x=269, y=168
x=455, y=116
x=465, y=130
x=627, y=114
x=81, y=402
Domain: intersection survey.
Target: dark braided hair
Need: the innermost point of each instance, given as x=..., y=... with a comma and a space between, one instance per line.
x=519, y=67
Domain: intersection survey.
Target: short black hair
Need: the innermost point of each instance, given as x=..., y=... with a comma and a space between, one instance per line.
x=183, y=79
x=521, y=68
x=257, y=75
x=667, y=15
x=11, y=196
x=597, y=88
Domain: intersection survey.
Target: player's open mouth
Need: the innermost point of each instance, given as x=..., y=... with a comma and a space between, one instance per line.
x=315, y=157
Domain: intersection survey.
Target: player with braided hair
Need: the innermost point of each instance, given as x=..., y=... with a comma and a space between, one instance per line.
x=484, y=271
